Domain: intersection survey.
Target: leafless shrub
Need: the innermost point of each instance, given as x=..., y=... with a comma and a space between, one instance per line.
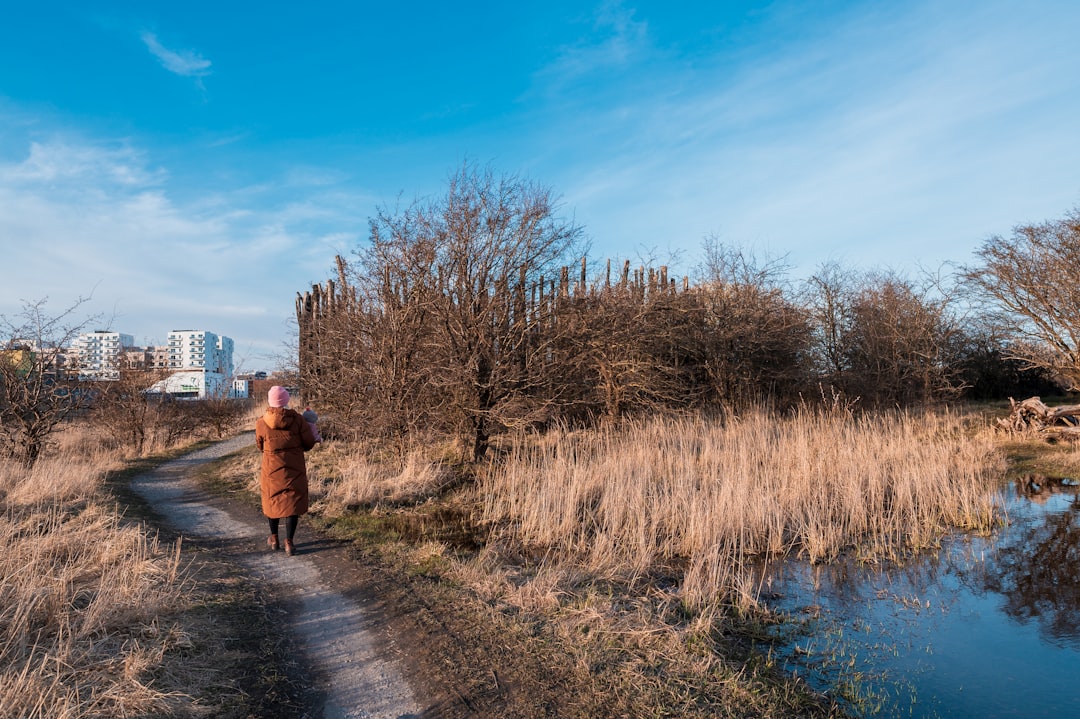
x=730, y=341
x=218, y=416
x=621, y=350
x=124, y=411
x=988, y=366
x=436, y=327
x=757, y=339
x=883, y=338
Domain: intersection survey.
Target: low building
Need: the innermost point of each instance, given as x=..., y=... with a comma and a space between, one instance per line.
x=157, y=358
x=192, y=384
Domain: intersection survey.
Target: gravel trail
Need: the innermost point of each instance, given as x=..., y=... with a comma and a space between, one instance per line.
x=339, y=640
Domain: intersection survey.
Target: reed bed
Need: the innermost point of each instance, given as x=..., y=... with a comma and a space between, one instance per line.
x=714, y=499
x=80, y=596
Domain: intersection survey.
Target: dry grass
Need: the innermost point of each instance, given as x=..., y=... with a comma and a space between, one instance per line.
x=629, y=546
x=84, y=595
x=716, y=498
x=348, y=476
x=343, y=475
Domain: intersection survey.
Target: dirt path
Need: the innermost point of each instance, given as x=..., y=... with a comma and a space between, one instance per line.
x=351, y=657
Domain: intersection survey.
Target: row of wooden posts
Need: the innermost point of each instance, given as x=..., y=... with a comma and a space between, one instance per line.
x=331, y=297
x=324, y=302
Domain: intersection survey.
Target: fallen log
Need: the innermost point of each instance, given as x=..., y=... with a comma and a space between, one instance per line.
x=1064, y=434
x=1032, y=415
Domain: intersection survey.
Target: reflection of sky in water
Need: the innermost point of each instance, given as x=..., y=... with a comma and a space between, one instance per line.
x=986, y=627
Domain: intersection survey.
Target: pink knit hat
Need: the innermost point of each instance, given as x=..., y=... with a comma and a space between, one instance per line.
x=278, y=396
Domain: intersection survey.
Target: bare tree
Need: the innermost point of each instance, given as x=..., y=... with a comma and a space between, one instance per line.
x=395, y=326
x=987, y=366
x=827, y=297
x=37, y=391
x=456, y=272
x=1032, y=279
x=124, y=410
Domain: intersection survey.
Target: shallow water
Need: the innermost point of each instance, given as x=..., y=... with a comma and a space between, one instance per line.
x=985, y=627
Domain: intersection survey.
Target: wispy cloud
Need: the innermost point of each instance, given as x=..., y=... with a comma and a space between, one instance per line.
x=183, y=62
x=76, y=166
x=615, y=40
x=926, y=130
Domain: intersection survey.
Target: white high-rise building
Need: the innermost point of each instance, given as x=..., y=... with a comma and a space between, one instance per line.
x=100, y=354
x=201, y=362
x=200, y=350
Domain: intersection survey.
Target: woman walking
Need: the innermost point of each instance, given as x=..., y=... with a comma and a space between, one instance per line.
x=283, y=436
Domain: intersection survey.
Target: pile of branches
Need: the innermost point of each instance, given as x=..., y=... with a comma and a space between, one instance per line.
x=1032, y=415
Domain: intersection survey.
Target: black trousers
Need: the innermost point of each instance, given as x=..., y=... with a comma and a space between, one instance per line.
x=290, y=526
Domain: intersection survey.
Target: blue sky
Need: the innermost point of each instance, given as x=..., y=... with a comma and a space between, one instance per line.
x=194, y=165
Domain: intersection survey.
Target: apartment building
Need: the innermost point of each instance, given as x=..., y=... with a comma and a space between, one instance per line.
x=201, y=363
x=101, y=353
x=157, y=358
x=200, y=350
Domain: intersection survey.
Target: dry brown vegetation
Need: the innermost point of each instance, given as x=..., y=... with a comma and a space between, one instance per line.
x=98, y=616
x=467, y=315
x=611, y=500
x=473, y=314
x=79, y=635
x=711, y=498
x=1031, y=280
x=714, y=498
x=637, y=548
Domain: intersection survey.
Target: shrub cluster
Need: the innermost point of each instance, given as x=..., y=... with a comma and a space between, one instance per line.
x=463, y=316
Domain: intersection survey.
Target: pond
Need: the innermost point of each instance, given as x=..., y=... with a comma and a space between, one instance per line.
x=985, y=627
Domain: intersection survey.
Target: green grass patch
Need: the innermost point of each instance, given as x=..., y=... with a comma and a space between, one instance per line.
x=1059, y=460
x=359, y=526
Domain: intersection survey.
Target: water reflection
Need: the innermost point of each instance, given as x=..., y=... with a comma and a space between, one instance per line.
x=1036, y=567
x=986, y=626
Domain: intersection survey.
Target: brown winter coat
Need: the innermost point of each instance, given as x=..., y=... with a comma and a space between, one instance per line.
x=283, y=436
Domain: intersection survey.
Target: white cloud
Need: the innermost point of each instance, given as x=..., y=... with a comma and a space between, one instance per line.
x=183, y=62
x=81, y=165
x=77, y=218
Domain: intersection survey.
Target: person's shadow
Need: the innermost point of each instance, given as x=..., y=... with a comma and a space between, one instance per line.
x=314, y=546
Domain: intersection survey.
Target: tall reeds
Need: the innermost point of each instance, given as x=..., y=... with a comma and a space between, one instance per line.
x=714, y=498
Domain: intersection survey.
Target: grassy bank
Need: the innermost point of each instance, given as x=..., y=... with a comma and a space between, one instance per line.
x=80, y=598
